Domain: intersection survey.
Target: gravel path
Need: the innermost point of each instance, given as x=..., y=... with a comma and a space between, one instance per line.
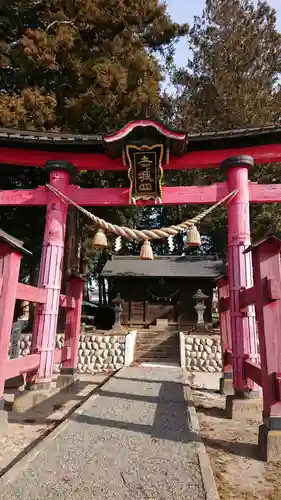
x=131, y=442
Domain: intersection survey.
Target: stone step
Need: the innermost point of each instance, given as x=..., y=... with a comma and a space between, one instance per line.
x=157, y=348
x=154, y=355
x=157, y=338
x=158, y=330
x=158, y=355
x=157, y=341
x=157, y=345
x=157, y=360
x=151, y=330
x=162, y=352
x=151, y=344
x=166, y=345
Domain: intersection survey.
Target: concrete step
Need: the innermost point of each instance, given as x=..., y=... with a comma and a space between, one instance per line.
x=153, y=338
x=158, y=332
x=156, y=344
x=163, y=352
x=161, y=346
x=157, y=349
x=157, y=352
x=169, y=340
x=156, y=338
x=157, y=360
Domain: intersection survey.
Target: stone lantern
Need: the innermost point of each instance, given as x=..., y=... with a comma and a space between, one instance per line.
x=200, y=308
x=118, y=308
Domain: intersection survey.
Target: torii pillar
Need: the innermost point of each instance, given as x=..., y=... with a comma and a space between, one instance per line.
x=240, y=276
x=50, y=276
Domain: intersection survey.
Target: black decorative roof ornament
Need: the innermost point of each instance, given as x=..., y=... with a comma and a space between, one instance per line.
x=145, y=145
x=146, y=132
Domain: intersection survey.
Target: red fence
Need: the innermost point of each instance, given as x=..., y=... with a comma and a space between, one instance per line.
x=265, y=295
x=10, y=291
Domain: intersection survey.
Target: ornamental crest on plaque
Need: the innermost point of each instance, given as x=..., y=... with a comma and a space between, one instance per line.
x=145, y=172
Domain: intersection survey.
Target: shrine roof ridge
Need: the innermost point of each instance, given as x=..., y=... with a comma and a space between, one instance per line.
x=174, y=266
x=185, y=258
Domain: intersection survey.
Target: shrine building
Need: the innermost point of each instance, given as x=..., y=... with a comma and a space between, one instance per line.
x=163, y=288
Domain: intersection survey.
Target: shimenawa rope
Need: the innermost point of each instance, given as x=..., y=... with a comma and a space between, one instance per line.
x=145, y=234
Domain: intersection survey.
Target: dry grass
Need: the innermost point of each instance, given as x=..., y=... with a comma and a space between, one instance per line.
x=233, y=452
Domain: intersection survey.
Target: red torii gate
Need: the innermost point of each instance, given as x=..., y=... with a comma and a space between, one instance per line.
x=235, y=152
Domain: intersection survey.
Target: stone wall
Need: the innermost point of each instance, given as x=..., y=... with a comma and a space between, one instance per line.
x=101, y=353
x=201, y=353
x=97, y=352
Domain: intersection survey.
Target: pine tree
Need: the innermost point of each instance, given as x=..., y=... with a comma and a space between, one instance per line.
x=82, y=65
x=233, y=81
x=86, y=66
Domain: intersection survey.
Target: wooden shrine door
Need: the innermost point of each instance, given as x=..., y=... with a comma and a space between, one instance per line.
x=160, y=310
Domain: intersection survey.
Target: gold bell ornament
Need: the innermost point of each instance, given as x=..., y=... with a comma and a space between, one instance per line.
x=193, y=237
x=99, y=239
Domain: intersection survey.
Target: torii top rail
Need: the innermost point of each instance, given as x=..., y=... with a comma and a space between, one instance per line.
x=86, y=152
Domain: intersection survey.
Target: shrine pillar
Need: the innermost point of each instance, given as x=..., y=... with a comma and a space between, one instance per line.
x=240, y=276
x=50, y=276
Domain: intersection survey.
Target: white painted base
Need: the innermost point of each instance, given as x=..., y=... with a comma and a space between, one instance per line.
x=130, y=343
x=182, y=350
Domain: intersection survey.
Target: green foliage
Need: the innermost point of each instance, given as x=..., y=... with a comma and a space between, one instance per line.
x=89, y=66
x=232, y=81
x=82, y=66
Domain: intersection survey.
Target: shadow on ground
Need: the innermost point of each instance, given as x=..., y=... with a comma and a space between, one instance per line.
x=211, y=411
x=43, y=412
x=247, y=450
x=171, y=421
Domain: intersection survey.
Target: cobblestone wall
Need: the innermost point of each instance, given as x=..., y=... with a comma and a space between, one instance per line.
x=203, y=353
x=101, y=353
x=97, y=353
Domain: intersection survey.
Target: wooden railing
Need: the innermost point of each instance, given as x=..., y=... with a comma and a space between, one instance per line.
x=10, y=291
x=265, y=295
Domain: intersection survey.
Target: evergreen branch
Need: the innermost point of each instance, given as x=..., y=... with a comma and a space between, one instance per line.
x=60, y=22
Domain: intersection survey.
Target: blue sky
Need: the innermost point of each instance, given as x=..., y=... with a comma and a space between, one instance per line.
x=184, y=11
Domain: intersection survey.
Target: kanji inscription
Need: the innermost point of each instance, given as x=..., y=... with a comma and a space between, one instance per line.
x=145, y=172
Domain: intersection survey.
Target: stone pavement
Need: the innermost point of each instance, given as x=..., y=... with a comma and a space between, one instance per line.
x=131, y=442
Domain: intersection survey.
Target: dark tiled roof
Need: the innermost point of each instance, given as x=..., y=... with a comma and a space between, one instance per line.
x=170, y=267
x=205, y=140
x=15, y=134
x=33, y=136
x=14, y=242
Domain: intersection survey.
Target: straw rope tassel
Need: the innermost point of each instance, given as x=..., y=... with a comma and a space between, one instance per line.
x=146, y=252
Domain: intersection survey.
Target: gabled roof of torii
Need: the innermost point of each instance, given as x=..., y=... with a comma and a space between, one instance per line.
x=59, y=141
